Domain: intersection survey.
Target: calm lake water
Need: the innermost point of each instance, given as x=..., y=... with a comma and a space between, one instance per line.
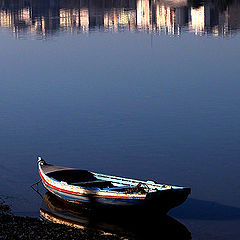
x=136, y=88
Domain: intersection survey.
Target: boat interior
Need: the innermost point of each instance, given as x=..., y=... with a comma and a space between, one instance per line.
x=72, y=176
x=86, y=179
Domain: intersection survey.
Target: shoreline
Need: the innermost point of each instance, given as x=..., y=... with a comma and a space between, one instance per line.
x=18, y=227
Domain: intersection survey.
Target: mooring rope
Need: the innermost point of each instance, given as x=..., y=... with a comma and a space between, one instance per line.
x=37, y=190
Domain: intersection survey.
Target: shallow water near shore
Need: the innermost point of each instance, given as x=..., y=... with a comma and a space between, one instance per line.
x=141, y=89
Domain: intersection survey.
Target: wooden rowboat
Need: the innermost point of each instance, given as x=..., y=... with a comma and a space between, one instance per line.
x=82, y=186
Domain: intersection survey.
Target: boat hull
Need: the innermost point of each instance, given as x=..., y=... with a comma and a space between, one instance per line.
x=54, y=180
x=78, y=199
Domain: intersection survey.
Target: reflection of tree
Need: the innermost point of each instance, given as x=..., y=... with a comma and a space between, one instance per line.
x=195, y=3
x=223, y=4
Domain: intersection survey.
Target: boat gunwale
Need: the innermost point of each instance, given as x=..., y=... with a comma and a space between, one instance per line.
x=150, y=183
x=74, y=190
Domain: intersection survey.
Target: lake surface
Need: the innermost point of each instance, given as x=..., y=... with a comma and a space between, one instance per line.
x=136, y=88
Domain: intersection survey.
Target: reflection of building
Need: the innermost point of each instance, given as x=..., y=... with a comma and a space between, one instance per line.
x=120, y=20
x=143, y=14
x=197, y=19
x=74, y=19
x=165, y=18
x=209, y=19
x=48, y=17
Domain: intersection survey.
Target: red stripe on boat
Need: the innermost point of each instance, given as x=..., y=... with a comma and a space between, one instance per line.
x=77, y=193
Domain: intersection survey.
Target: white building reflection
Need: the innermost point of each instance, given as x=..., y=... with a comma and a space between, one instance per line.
x=143, y=14
x=73, y=19
x=120, y=19
x=197, y=22
x=154, y=16
x=165, y=18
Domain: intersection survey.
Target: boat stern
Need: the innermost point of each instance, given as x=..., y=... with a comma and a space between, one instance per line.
x=168, y=199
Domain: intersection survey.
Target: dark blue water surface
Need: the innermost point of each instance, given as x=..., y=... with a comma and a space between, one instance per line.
x=136, y=88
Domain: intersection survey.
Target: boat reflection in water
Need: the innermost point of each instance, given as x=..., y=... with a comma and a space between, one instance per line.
x=133, y=225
